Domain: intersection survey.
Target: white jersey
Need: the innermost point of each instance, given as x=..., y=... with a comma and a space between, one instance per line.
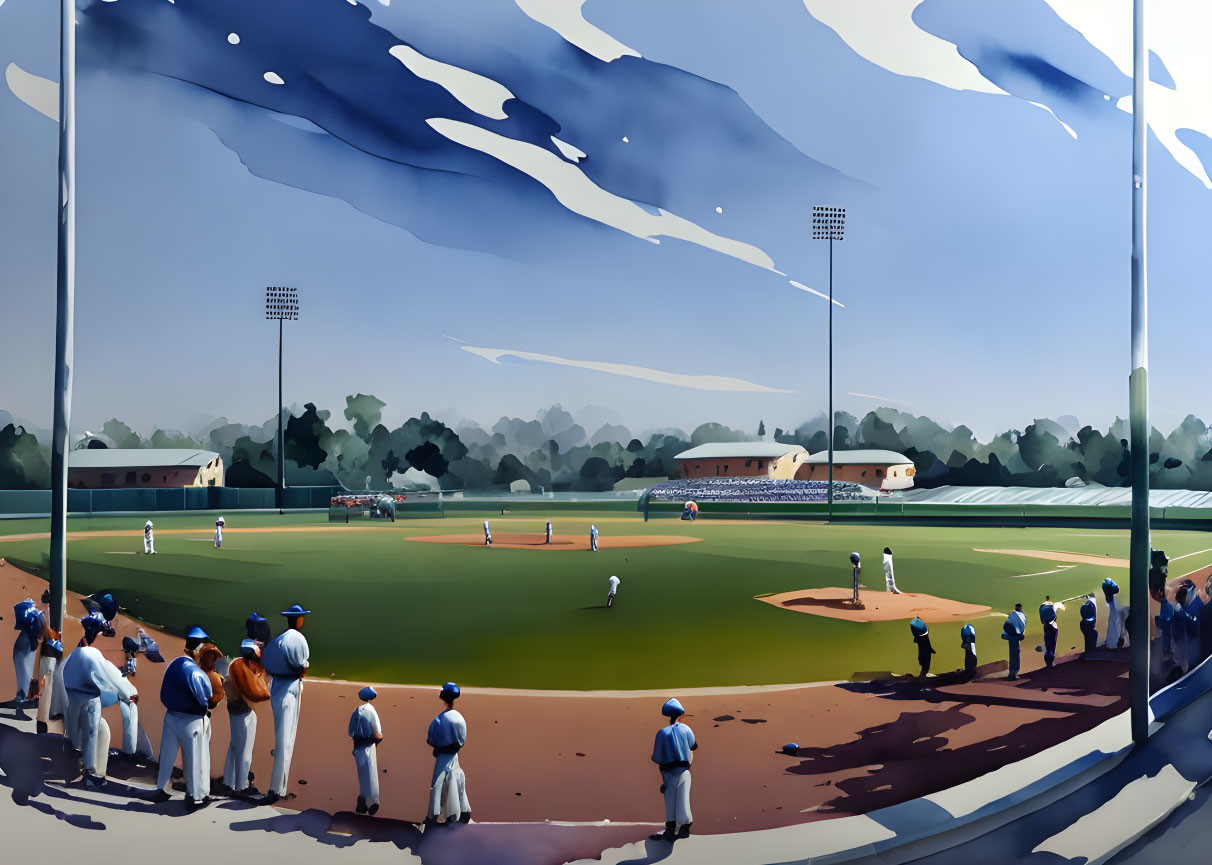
x=147, y=529
x=614, y=584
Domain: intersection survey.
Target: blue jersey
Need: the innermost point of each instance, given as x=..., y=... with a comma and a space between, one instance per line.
x=673, y=745
x=185, y=688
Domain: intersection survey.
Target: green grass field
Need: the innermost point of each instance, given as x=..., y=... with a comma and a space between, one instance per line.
x=389, y=610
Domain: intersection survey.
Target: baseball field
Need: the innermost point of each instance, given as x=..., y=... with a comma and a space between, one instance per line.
x=391, y=607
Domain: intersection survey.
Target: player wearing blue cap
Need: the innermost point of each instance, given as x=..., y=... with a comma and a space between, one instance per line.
x=921, y=636
x=286, y=659
x=448, y=788
x=487, y=535
x=367, y=732
x=28, y=621
x=91, y=682
x=968, y=644
x=245, y=687
x=1115, y=614
x=94, y=626
x=136, y=746
x=1013, y=631
x=1047, y=618
x=672, y=753
x=857, y=563
x=593, y=538
x=188, y=697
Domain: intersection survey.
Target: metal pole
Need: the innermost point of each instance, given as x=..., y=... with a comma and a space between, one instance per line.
x=65, y=291
x=831, y=423
x=281, y=490
x=1138, y=397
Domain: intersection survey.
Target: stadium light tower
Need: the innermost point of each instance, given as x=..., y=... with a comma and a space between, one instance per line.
x=829, y=223
x=1138, y=398
x=281, y=304
x=65, y=314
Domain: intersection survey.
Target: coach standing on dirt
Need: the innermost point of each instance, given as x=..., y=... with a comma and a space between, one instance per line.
x=285, y=659
x=671, y=752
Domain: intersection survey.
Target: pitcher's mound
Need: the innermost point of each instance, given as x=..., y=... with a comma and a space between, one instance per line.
x=538, y=541
x=873, y=606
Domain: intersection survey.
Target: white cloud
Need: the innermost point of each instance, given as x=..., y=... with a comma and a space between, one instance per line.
x=482, y=95
x=697, y=382
x=803, y=287
x=581, y=195
x=40, y=94
x=565, y=18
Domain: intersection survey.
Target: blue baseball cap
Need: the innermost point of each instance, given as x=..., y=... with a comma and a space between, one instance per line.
x=854, y=557
x=450, y=691
x=368, y=693
x=295, y=610
x=918, y=627
x=93, y=622
x=672, y=708
x=196, y=633
x=248, y=645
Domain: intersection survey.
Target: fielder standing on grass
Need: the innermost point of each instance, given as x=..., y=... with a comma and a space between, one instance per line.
x=219, y=524
x=286, y=659
x=367, y=732
x=593, y=538
x=857, y=563
x=149, y=541
x=448, y=789
x=672, y=753
x=613, y=584
x=487, y=535
x=921, y=636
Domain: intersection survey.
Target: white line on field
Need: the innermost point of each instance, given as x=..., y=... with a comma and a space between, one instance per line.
x=1059, y=568
x=119, y=553
x=1189, y=555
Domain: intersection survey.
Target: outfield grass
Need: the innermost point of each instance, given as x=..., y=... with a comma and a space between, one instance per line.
x=393, y=611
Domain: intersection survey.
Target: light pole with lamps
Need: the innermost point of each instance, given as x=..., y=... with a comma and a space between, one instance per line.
x=281, y=304
x=829, y=223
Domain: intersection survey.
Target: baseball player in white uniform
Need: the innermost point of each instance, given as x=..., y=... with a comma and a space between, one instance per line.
x=367, y=732
x=286, y=659
x=219, y=524
x=613, y=583
x=448, y=788
x=149, y=541
x=187, y=696
x=593, y=538
x=487, y=535
x=549, y=531
x=889, y=576
x=91, y=682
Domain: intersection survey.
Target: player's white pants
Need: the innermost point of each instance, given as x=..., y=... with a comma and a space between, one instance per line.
x=58, y=704
x=610, y=599
x=23, y=663
x=487, y=540
x=367, y=761
x=218, y=538
x=134, y=737
x=240, y=751
x=1114, y=623
x=46, y=670
x=593, y=543
x=890, y=580
x=677, y=795
x=149, y=544
x=448, y=789
x=191, y=733
x=285, y=695
x=88, y=731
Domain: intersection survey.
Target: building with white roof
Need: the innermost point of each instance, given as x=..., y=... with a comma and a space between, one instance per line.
x=881, y=469
x=102, y=468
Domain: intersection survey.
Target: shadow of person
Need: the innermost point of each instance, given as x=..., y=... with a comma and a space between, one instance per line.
x=654, y=851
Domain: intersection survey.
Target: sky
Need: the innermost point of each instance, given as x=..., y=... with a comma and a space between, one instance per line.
x=489, y=207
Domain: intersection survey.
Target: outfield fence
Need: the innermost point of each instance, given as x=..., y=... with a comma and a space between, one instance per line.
x=38, y=502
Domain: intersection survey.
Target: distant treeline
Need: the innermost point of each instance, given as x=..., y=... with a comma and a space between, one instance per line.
x=554, y=452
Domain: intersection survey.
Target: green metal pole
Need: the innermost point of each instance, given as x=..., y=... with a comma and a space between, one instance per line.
x=1138, y=398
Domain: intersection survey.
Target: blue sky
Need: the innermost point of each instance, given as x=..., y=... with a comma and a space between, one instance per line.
x=984, y=274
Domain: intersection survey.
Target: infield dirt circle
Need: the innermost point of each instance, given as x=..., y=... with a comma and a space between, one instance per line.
x=538, y=541
x=835, y=603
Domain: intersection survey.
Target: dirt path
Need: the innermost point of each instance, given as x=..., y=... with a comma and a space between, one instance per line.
x=538, y=541
x=835, y=603
x=536, y=756
x=1054, y=556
